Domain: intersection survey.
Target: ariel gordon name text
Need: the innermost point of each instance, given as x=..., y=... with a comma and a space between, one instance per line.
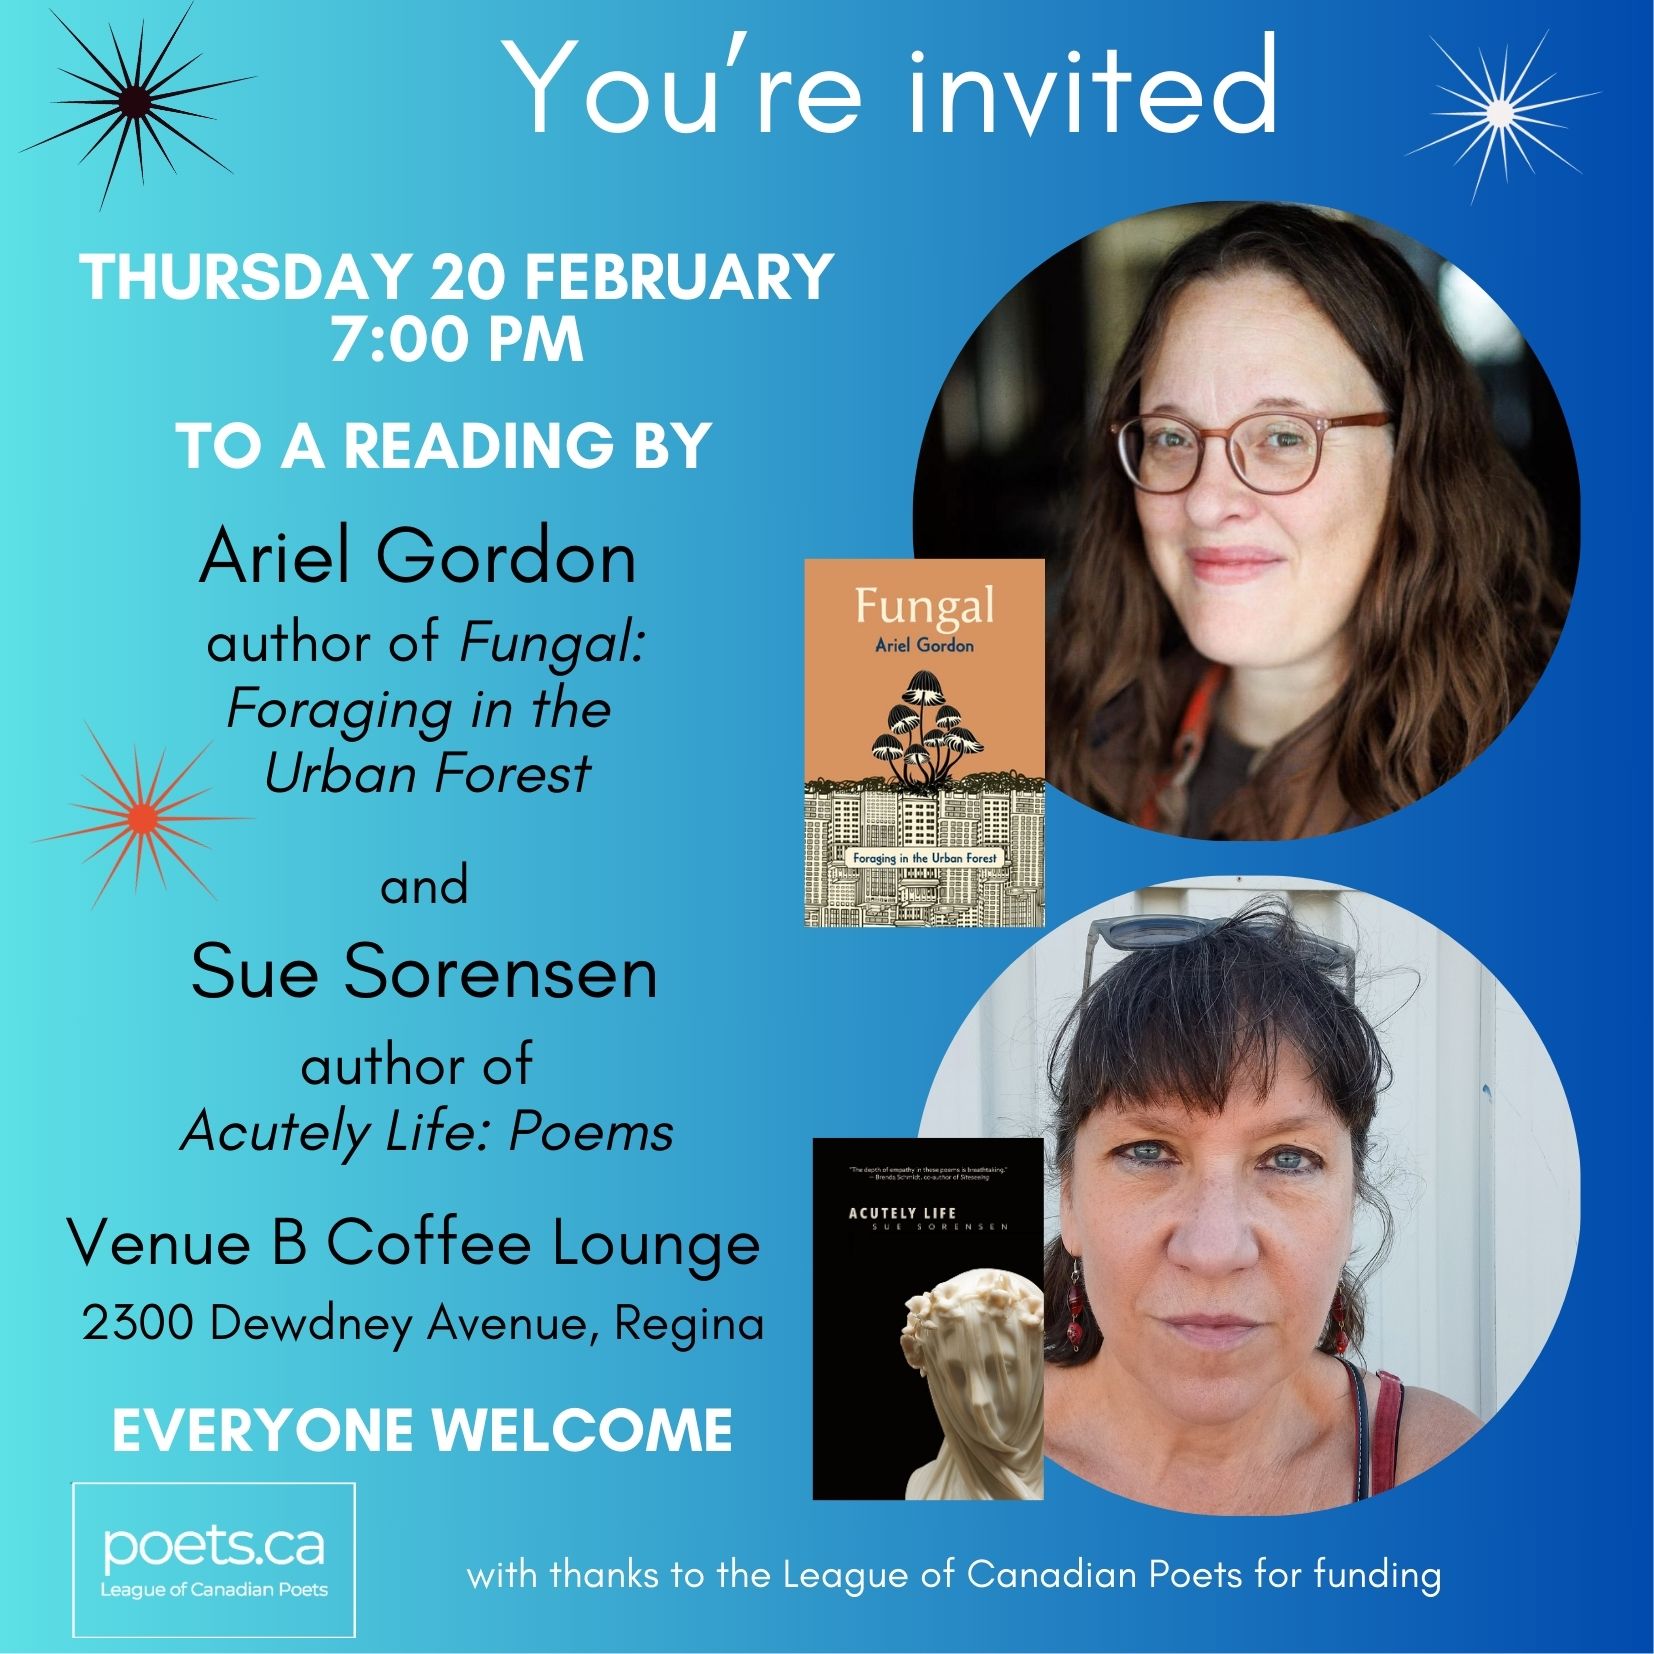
x=407, y=554
x=923, y=644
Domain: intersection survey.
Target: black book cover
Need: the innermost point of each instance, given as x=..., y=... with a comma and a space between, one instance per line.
x=894, y=1217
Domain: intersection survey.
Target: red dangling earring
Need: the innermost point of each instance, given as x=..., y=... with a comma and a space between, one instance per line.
x=1076, y=1308
x=1341, y=1339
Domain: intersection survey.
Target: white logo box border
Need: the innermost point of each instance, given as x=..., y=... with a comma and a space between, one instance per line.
x=203, y=1636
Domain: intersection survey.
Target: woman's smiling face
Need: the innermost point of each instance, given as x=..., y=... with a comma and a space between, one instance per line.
x=1212, y=1244
x=1261, y=581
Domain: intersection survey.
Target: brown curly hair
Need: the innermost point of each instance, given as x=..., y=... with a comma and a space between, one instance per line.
x=1461, y=608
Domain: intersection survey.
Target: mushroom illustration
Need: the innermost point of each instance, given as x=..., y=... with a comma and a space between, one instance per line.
x=924, y=690
x=922, y=760
x=960, y=741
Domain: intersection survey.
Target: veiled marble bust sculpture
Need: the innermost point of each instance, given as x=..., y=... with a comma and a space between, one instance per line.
x=977, y=1340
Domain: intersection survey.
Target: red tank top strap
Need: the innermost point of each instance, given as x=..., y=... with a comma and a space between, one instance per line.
x=1386, y=1431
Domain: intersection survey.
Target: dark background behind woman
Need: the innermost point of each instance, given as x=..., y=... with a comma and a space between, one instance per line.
x=1002, y=467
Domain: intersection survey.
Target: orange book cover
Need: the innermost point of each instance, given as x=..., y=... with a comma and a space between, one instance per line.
x=924, y=742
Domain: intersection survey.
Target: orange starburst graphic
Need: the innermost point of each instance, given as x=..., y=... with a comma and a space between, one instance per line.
x=143, y=817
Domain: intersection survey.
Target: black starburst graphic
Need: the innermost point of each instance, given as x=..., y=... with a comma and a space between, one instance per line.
x=132, y=102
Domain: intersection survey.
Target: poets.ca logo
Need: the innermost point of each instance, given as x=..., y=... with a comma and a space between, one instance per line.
x=122, y=1548
x=213, y=1560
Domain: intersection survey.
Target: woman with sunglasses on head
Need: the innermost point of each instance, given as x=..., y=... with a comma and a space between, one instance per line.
x=1215, y=1095
x=1312, y=584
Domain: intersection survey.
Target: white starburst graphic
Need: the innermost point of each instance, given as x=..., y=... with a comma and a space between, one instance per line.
x=1504, y=117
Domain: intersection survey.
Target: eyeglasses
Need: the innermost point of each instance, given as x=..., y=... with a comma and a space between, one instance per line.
x=1272, y=453
x=1130, y=932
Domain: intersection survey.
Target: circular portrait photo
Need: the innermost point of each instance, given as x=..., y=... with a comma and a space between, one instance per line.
x=1313, y=1189
x=1308, y=506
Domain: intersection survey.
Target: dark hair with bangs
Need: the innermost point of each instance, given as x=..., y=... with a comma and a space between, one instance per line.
x=1186, y=1022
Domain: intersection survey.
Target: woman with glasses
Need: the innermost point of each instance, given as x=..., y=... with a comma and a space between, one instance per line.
x=1215, y=1096
x=1312, y=584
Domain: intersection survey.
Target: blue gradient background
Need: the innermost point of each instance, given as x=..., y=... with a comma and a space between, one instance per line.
x=400, y=127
